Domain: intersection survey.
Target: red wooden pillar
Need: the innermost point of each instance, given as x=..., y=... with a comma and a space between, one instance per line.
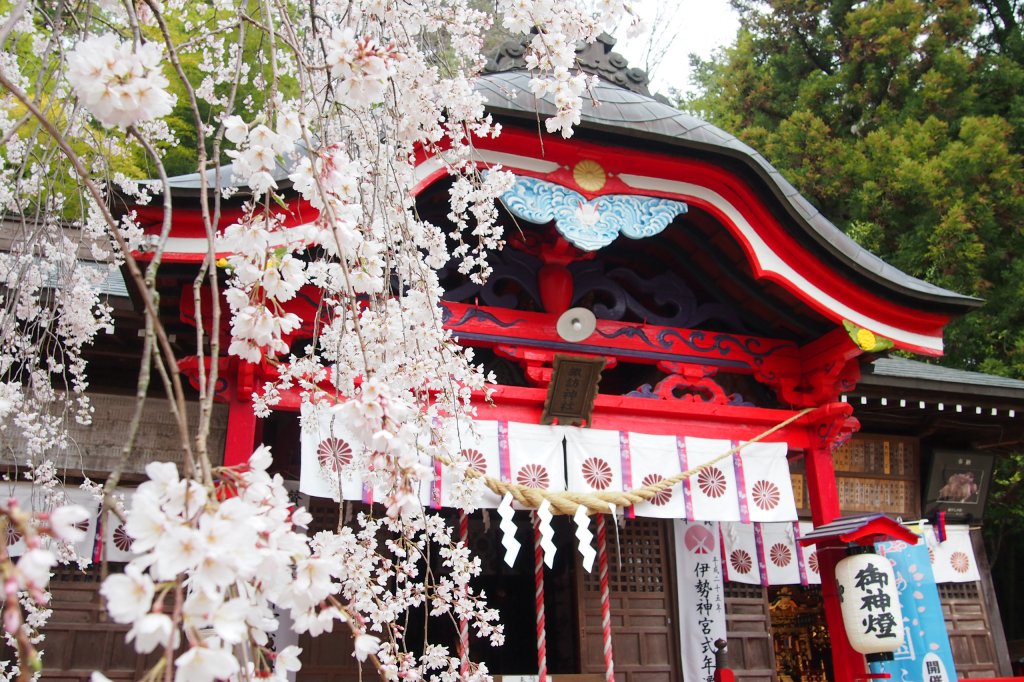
x=242, y=423
x=847, y=664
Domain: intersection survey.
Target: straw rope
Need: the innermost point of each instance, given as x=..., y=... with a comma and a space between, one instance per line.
x=566, y=502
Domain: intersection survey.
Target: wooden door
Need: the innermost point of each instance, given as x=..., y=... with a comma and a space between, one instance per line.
x=970, y=636
x=751, y=653
x=645, y=638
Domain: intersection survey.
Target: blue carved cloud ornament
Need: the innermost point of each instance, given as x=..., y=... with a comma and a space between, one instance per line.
x=590, y=224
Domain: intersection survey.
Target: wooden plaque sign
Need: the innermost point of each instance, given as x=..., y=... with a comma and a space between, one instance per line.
x=572, y=390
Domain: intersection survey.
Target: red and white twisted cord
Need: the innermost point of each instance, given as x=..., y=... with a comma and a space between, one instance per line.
x=606, y=606
x=463, y=622
x=538, y=572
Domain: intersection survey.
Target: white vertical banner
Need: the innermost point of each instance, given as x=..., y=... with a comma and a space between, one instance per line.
x=953, y=561
x=594, y=459
x=741, y=553
x=85, y=547
x=701, y=597
x=285, y=635
x=328, y=452
x=117, y=544
x=38, y=501
x=653, y=459
x=781, y=559
x=13, y=540
x=812, y=568
x=713, y=491
x=535, y=456
x=769, y=488
x=472, y=446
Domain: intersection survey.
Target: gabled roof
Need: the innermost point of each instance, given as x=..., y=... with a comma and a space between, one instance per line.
x=625, y=113
x=654, y=149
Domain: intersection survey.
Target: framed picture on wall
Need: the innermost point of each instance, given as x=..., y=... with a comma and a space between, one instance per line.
x=958, y=484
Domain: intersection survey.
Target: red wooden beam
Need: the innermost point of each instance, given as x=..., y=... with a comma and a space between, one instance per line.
x=643, y=343
x=628, y=342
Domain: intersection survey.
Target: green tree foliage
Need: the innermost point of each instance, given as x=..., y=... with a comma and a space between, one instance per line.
x=902, y=121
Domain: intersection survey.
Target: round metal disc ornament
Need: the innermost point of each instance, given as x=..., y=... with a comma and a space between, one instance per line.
x=576, y=324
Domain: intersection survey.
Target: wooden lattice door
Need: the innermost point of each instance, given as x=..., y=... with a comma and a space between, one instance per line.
x=751, y=654
x=645, y=635
x=970, y=635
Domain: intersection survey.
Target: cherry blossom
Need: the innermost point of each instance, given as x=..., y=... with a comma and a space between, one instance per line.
x=129, y=595
x=365, y=646
x=345, y=99
x=66, y=521
x=120, y=86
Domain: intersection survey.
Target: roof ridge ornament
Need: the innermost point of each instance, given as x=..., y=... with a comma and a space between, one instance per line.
x=596, y=58
x=590, y=224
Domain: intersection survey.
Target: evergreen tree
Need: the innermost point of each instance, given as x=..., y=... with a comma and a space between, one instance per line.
x=902, y=121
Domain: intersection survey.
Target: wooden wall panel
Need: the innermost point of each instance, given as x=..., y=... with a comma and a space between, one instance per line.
x=98, y=446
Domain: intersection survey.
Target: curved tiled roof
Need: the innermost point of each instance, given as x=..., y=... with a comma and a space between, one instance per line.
x=622, y=107
x=627, y=113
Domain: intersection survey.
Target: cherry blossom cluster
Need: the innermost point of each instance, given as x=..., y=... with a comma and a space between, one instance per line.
x=216, y=564
x=120, y=83
x=324, y=110
x=558, y=27
x=362, y=65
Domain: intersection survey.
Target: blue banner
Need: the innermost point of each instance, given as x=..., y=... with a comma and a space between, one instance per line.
x=925, y=655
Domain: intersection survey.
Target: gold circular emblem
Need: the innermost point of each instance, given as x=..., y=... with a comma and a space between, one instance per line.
x=589, y=175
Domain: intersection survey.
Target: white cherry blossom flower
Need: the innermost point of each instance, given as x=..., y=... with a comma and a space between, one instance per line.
x=181, y=548
x=205, y=664
x=34, y=569
x=229, y=620
x=118, y=85
x=65, y=522
x=287, y=660
x=128, y=595
x=365, y=645
x=235, y=129
x=151, y=631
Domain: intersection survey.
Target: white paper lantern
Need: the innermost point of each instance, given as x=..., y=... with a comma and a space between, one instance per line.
x=870, y=603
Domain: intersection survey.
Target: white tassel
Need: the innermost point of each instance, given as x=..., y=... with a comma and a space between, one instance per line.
x=508, y=530
x=547, y=533
x=585, y=537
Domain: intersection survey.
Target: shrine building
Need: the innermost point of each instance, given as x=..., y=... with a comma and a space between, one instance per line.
x=666, y=302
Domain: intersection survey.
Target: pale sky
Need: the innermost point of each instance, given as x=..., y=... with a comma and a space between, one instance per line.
x=698, y=26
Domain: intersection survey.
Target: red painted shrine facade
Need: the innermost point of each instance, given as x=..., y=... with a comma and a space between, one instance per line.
x=743, y=309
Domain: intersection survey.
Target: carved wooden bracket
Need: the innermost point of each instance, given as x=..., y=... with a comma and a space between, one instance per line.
x=830, y=366
x=834, y=424
x=688, y=382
